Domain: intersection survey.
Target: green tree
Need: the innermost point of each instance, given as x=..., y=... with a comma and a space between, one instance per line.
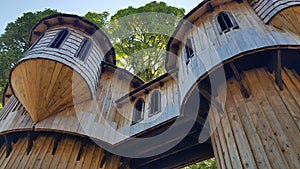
x=207, y=164
x=15, y=41
x=140, y=36
x=99, y=19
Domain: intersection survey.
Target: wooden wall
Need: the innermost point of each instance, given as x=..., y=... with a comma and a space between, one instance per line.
x=169, y=108
x=71, y=152
x=211, y=48
x=261, y=131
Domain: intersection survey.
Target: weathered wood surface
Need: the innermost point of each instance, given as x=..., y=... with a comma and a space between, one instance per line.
x=288, y=19
x=89, y=69
x=261, y=131
x=65, y=156
x=267, y=9
x=100, y=118
x=211, y=48
x=45, y=87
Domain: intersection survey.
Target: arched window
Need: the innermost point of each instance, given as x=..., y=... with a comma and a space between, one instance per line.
x=138, y=111
x=188, y=50
x=155, y=104
x=225, y=21
x=59, y=38
x=84, y=48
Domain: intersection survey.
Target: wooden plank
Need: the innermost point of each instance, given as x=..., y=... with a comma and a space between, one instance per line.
x=261, y=111
x=248, y=124
x=42, y=157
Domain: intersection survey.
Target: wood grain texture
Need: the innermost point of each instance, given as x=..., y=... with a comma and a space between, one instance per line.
x=65, y=157
x=45, y=87
x=261, y=131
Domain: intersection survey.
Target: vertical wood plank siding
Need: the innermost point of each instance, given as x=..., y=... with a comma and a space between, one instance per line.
x=211, y=48
x=261, y=131
x=65, y=156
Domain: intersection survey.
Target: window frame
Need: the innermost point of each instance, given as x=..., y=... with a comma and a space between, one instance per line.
x=189, y=52
x=157, y=109
x=233, y=23
x=134, y=120
x=83, y=50
x=36, y=42
x=60, y=37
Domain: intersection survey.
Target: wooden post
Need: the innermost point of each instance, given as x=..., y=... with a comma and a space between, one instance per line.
x=261, y=131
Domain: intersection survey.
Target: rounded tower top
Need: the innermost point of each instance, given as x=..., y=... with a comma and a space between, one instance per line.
x=78, y=23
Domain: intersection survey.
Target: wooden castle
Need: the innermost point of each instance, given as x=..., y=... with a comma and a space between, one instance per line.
x=233, y=74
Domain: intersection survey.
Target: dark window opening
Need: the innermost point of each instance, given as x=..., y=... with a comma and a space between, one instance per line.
x=225, y=22
x=138, y=111
x=189, y=51
x=155, y=104
x=84, y=49
x=36, y=42
x=60, y=37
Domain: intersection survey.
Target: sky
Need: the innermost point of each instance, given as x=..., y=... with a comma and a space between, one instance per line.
x=10, y=10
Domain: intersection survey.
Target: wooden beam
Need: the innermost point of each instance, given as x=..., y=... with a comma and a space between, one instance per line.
x=238, y=77
x=76, y=23
x=146, y=91
x=106, y=155
x=161, y=84
x=57, y=138
x=239, y=1
x=125, y=163
x=211, y=99
x=60, y=20
x=210, y=7
x=30, y=142
x=80, y=152
x=278, y=76
x=7, y=144
x=47, y=24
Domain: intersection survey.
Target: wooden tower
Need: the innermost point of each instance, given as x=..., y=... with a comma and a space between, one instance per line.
x=232, y=92
x=254, y=110
x=54, y=74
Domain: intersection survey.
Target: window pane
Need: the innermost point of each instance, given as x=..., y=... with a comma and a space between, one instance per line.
x=60, y=37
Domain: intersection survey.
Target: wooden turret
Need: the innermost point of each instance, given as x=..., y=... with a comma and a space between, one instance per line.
x=248, y=71
x=62, y=66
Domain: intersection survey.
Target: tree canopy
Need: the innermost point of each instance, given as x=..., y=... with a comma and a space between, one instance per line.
x=15, y=41
x=139, y=35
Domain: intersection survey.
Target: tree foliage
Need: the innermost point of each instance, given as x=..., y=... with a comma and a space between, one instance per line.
x=99, y=19
x=207, y=164
x=15, y=41
x=140, y=36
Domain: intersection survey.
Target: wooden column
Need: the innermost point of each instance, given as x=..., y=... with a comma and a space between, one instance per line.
x=261, y=131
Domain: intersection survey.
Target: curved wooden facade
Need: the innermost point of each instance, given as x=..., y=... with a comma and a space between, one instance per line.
x=261, y=131
x=232, y=74
x=48, y=78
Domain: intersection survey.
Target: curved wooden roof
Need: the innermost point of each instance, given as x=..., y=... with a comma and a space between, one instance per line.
x=78, y=23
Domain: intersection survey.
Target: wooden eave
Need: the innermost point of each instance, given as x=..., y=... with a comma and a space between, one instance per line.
x=147, y=86
x=186, y=24
x=78, y=23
